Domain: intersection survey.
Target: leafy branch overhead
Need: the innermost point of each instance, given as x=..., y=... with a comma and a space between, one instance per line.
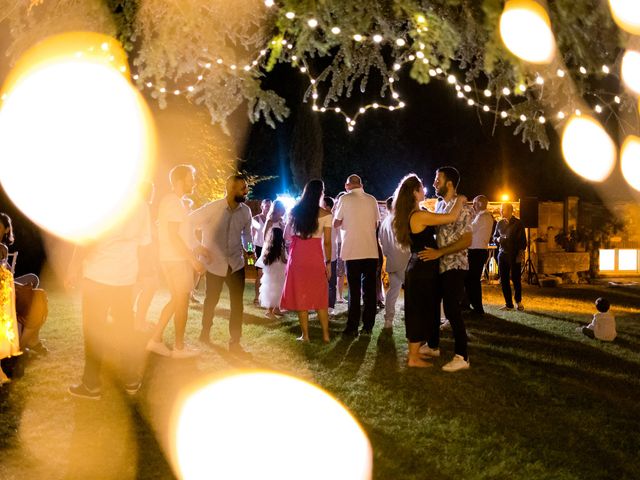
x=217, y=54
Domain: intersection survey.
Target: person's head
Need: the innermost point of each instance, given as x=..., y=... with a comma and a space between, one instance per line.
x=406, y=199
x=389, y=204
x=237, y=188
x=602, y=304
x=446, y=181
x=353, y=181
x=506, y=211
x=274, y=246
x=6, y=229
x=265, y=206
x=480, y=203
x=182, y=179
x=276, y=211
x=304, y=215
x=328, y=203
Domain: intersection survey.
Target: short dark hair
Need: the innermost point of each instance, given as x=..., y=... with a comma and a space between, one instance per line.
x=389, y=203
x=328, y=201
x=180, y=172
x=602, y=304
x=236, y=177
x=451, y=174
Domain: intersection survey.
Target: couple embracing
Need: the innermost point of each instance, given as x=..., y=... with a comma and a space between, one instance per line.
x=438, y=265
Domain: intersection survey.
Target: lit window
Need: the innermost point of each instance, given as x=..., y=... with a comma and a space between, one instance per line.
x=607, y=260
x=627, y=260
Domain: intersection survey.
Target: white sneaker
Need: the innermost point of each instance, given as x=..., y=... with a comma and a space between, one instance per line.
x=444, y=324
x=158, y=347
x=430, y=352
x=186, y=352
x=458, y=363
x=332, y=311
x=520, y=306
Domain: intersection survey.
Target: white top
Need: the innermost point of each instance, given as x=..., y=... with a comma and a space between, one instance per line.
x=603, y=326
x=360, y=216
x=323, y=222
x=113, y=260
x=257, y=227
x=482, y=229
x=397, y=259
x=173, y=210
x=225, y=233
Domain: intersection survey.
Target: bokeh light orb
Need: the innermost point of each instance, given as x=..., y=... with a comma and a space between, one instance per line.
x=588, y=149
x=630, y=161
x=626, y=13
x=525, y=29
x=76, y=138
x=630, y=70
x=268, y=426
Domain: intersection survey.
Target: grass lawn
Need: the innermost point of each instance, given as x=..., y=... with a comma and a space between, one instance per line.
x=539, y=402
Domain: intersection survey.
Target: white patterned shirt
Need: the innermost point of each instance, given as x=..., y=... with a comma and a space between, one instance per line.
x=451, y=233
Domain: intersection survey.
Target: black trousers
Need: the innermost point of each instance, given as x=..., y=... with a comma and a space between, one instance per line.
x=101, y=337
x=510, y=271
x=451, y=288
x=333, y=284
x=472, y=283
x=235, y=283
x=361, y=276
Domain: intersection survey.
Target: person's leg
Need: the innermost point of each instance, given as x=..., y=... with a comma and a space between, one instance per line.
x=170, y=272
x=452, y=288
x=181, y=295
x=123, y=326
x=415, y=325
x=333, y=286
x=395, y=284
x=235, y=281
x=96, y=300
x=33, y=319
x=148, y=285
x=28, y=279
x=516, y=278
x=323, y=316
x=369, y=287
x=303, y=318
x=212, y=296
x=354, y=282
x=504, y=267
x=588, y=332
x=473, y=281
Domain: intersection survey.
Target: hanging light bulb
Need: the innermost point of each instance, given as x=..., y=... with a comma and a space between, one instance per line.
x=626, y=13
x=630, y=70
x=630, y=161
x=588, y=149
x=526, y=31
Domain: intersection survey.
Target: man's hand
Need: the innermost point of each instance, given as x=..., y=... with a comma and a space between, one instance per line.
x=201, y=251
x=328, y=271
x=198, y=267
x=429, y=254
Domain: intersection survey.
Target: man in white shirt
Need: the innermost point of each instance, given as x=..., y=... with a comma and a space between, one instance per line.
x=397, y=260
x=109, y=270
x=358, y=216
x=481, y=229
x=179, y=254
x=226, y=230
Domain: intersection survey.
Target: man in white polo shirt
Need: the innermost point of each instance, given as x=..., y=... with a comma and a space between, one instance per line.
x=358, y=216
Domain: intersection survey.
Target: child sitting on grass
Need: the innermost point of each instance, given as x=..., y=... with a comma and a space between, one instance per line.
x=603, y=325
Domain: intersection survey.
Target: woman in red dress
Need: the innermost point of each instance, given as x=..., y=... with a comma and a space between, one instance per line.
x=305, y=285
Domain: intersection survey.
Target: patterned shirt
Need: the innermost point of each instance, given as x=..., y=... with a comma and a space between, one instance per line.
x=451, y=233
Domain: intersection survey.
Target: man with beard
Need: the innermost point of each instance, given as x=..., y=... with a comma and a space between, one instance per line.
x=226, y=230
x=453, y=240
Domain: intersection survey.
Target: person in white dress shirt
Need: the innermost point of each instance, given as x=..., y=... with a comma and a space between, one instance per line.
x=481, y=231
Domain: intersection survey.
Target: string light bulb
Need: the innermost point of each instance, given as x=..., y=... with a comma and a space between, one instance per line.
x=312, y=22
x=335, y=30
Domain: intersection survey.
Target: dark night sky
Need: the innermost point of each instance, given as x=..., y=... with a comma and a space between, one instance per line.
x=434, y=129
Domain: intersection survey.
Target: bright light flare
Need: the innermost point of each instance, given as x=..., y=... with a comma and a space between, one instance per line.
x=630, y=161
x=76, y=138
x=295, y=430
x=626, y=13
x=288, y=201
x=630, y=70
x=526, y=31
x=588, y=149
x=505, y=197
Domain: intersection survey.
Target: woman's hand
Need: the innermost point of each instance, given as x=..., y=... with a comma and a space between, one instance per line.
x=429, y=254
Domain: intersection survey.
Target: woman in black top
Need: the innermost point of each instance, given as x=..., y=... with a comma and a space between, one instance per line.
x=415, y=230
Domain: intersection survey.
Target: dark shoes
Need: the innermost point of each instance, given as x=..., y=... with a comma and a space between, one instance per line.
x=350, y=332
x=40, y=349
x=366, y=332
x=81, y=391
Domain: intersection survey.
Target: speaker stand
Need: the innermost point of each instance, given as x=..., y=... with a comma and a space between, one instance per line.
x=528, y=267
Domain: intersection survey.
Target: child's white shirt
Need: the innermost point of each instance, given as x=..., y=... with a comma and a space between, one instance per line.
x=603, y=326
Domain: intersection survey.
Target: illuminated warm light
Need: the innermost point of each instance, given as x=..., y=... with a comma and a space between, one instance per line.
x=377, y=38
x=505, y=197
x=290, y=15
x=400, y=42
x=312, y=22
x=357, y=37
x=560, y=73
x=526, y=31
x=607, y=260
x=506, y=91
x=220, y=432
x=630, y=161
x=630, y=70
x=626, y=13
x=268, y=3
x=588, y=149
x=421, y=19
x=583, y=70
x=85, y=130
x=335, y=30
x=627, y=260
x=487, y=93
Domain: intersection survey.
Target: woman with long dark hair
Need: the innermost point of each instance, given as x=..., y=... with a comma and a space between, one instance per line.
x=305, y=286
x=415, y=230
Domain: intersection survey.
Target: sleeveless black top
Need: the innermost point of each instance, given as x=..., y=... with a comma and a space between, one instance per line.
x=419, y=241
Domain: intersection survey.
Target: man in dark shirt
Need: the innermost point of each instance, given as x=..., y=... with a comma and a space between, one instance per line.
x=512, y=241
